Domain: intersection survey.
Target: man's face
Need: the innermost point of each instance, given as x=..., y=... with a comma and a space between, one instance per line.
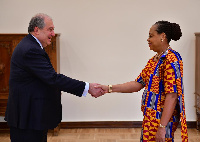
x=45, y=35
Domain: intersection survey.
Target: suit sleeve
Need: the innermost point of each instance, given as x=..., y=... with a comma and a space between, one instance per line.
x=38, y=64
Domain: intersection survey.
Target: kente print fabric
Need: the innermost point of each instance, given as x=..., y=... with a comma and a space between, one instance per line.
x=159, y=79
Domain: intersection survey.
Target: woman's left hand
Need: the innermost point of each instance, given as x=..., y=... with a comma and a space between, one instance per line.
x=160, y=135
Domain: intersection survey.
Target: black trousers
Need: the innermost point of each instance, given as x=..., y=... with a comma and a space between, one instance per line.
x=24, y=135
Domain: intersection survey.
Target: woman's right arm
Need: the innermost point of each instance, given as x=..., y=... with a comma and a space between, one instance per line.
x=127, y=87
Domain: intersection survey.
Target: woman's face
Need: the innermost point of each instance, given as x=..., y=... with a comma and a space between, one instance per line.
x=154, y=39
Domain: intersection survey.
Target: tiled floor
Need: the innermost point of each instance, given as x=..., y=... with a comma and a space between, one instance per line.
x=104, y=135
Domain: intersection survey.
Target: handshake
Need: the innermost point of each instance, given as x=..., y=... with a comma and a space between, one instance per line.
x=97, y=90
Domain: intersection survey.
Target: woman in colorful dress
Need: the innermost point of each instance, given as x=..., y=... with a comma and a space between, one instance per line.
x=162, y=79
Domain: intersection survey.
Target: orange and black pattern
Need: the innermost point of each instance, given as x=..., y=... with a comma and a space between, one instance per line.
x=159, y=79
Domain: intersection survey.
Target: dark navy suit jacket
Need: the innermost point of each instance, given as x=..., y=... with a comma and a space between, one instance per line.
x=34, y=100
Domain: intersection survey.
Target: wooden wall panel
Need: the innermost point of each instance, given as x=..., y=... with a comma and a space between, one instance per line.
x=7, y=44
x=197, y=79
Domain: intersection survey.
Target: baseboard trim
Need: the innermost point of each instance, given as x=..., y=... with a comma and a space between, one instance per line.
x=102, y=124
x=4, y=127
x=98, y=124
x=111, y=124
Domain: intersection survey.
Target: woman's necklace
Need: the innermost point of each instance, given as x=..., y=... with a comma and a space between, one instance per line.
x=158, y=56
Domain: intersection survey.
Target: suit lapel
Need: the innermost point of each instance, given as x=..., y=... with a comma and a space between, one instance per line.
x=42, y=50
x=47, y=56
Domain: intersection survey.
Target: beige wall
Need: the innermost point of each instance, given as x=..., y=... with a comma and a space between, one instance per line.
x=104, y=41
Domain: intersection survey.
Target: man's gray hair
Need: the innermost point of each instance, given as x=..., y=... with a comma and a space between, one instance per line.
x=37, y=21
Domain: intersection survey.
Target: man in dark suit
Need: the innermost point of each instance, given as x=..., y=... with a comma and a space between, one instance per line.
x=34, y=102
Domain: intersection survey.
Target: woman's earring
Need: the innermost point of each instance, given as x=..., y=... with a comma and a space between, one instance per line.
x=161, y=40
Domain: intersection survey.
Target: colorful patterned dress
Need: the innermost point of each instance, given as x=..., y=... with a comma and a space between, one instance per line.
x=160, y=78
